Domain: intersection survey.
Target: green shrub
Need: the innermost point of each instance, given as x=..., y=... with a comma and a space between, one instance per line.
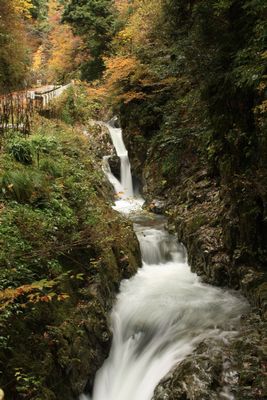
x=20, y=148
x=24, y=186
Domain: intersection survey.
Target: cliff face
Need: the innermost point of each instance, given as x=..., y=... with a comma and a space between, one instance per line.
x=220, y=217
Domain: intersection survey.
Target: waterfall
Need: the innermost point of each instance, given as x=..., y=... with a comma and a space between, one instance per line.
x=162, y=313
x=122, y=153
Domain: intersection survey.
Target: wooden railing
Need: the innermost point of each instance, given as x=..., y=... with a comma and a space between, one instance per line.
x=17, y=109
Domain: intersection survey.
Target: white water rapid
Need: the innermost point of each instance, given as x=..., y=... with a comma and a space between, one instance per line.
x=160, y=315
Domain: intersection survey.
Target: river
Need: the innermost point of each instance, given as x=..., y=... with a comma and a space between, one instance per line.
x=164, y=311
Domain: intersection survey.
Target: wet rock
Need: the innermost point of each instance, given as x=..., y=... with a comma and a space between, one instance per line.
x=221, y=368
x=223, y=229
x=99, y=139
x=115, y=166
x=157, y=206
x=197, y=377
x=115, y=122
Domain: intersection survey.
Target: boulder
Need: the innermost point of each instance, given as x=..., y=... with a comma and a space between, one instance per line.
x=157, y=206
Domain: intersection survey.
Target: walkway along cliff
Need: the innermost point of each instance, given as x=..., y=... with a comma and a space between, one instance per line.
x=17, y=109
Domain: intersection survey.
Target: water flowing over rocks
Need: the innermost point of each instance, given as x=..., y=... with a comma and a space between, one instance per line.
x=160, y=317
x=230, y=369
x=165, y=318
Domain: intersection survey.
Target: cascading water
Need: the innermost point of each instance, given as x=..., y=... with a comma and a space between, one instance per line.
x=160, y=315
x=122, y=153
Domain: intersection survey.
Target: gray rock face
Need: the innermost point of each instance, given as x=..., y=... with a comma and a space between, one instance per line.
x=99, y=139
x=196, y=211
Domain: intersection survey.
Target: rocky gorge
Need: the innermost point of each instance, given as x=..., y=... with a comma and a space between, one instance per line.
x=72, y=338
x=151, y=285
x=196, y=206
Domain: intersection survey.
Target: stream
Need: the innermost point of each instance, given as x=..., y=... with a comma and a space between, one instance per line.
x=164, y=311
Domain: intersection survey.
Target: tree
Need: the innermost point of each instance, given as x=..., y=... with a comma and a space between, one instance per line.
x=94, y=21
x=59, y=53
x=14, y=53
x=39, y=9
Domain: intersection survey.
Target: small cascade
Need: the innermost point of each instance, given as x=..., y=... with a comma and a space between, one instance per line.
x=161, y=315
x=157, y=245
x=122, y=153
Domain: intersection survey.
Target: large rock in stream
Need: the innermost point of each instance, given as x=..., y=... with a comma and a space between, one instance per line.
x=222, y=368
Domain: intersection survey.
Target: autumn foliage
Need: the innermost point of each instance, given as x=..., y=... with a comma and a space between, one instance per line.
x=60, y=53
x=14, y=60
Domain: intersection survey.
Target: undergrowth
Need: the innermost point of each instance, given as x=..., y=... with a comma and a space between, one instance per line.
x=58, y=234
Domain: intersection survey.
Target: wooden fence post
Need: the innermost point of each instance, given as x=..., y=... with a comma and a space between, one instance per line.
x=16, y=109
